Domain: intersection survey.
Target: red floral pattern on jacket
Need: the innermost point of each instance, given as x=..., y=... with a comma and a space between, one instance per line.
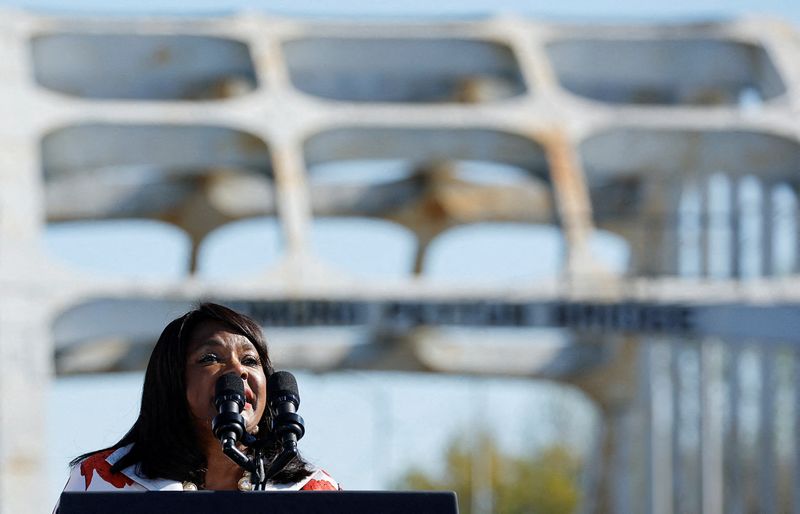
x=319, y=485
x=97, y=463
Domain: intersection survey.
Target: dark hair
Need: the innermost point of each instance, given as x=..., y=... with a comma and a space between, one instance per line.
x=163, y=436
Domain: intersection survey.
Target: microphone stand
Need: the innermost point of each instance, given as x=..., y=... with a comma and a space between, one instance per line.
x=256, y=465
x=279, y=463
x=236, y=455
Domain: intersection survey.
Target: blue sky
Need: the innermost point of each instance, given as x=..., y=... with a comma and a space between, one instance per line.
x=621, y=9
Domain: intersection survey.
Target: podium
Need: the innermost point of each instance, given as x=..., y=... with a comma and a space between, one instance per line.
x=257, y=502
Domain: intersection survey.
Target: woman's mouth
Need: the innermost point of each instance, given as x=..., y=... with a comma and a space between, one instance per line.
x=249, y=399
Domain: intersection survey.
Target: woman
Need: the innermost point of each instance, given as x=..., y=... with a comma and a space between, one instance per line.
x=170, y=446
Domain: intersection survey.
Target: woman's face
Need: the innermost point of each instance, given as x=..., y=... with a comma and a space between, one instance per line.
x=212, y=352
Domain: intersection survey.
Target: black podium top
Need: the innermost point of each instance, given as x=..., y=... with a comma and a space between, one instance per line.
x=220, y=502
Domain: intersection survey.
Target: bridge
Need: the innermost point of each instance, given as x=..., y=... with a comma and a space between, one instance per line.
x=661, y=161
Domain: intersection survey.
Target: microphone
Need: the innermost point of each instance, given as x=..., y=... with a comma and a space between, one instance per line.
x=283, y=400
x=228, y=426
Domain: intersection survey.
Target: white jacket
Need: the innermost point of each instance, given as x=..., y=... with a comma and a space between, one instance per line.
x=94, y=474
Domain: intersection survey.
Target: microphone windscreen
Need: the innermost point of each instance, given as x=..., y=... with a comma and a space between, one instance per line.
x=229, y=383
x=279, y=383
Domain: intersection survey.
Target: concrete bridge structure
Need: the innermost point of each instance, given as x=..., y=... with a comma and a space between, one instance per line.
x=679, y=143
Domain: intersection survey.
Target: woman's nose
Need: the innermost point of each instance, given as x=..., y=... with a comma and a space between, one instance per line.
x=240, y=370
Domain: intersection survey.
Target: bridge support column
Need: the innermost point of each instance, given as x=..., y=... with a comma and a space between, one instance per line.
x=25, y=375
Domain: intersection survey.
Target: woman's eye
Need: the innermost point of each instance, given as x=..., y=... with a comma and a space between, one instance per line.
x=207, y=358
x=251, y=361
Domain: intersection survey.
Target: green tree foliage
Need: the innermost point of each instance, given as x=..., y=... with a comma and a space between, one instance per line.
x=545, y=483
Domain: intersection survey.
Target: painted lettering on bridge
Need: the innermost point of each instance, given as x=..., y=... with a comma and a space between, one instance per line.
x=402, y=314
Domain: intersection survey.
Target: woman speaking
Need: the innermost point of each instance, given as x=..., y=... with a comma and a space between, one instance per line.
x=171, y=446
